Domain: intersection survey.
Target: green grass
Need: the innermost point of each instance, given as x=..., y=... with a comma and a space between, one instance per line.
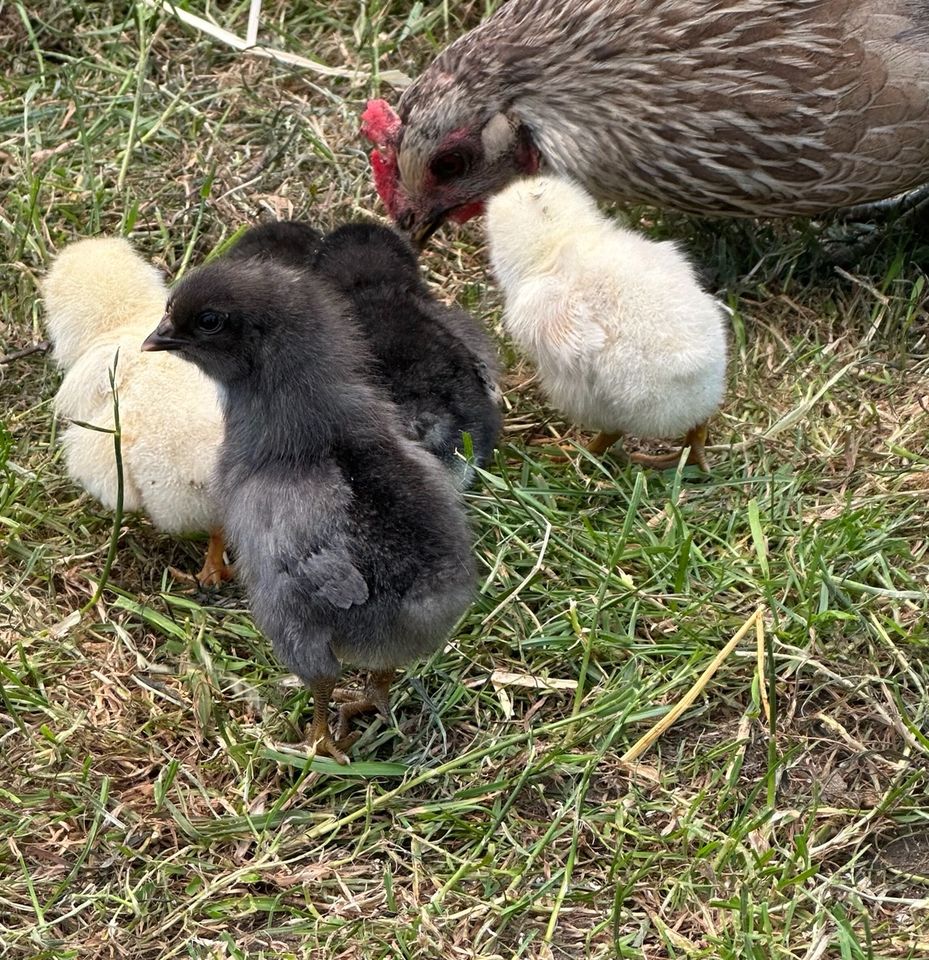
x=156, y=799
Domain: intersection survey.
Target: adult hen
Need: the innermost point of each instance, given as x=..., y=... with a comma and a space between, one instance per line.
x=718, y=107
x=351, y=540
x=102, y=297
x=624, y=339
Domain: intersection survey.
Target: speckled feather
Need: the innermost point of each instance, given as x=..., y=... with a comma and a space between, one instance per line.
x=740, y=107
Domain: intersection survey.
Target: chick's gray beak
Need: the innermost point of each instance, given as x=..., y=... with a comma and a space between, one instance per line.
x=161, y=338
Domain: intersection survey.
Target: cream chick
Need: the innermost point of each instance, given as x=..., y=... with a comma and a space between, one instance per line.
x=100, y=297
x=624, y=338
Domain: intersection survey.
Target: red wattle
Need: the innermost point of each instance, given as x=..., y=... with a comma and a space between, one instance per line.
x=384, y=170
x=467, y=211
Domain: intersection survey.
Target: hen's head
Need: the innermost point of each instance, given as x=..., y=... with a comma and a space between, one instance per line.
x=442, y=156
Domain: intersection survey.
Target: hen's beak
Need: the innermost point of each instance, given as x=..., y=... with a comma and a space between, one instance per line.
x=419, y=232
x=161, y=338
x=423, y=233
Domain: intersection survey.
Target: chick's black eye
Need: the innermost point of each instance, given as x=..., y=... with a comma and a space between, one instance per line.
x=448, y=166
x=210, y=321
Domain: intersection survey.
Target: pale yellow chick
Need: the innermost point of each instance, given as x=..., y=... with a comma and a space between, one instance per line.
x=624, y=338
x=100, y=297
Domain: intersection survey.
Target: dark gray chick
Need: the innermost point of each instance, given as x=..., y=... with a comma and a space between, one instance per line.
x=437, y=362
x=351, y=540
x=292, y=242
x=441, y=365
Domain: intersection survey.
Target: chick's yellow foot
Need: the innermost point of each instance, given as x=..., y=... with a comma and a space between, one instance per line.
x=215, y=570
x=695, y=439
x=320, y=736
x=373, y=697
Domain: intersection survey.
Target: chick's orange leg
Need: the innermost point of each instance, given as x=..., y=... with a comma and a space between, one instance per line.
x=695, y=439
x=374, y=697
x=215, y=569
x=321, y=738
x=602, y=442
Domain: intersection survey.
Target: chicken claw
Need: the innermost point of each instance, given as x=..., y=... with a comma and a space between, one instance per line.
x=326, y=746
x=602, y=442
x=695, y=439
x=373, y=697
x=215, y=570
x=321, y=738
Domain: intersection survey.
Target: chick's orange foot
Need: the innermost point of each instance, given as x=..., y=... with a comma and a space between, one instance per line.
x=373, y=697
x=213, y=576
x=215, y=570
x=602, y=442
x=695, y=440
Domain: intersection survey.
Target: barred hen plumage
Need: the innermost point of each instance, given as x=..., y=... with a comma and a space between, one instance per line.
x=718, y=107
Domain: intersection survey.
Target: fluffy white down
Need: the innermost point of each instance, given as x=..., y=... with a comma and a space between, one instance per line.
x=624, y=338
x=101, y=296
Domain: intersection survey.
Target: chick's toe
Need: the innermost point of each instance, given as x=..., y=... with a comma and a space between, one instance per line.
x=215, y=570
x=602, y=442
x=695, y=440
x=373, y=697
x=336, y=748
x=320, y=737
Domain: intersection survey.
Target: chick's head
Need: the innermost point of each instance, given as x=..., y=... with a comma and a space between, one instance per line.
x=527, y=222
x=288, y=241
x=228, y=316
x=96, y=288
x=358, y=254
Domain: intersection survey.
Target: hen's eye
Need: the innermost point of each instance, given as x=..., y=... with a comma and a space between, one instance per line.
x=448, y=166
x=210, y=321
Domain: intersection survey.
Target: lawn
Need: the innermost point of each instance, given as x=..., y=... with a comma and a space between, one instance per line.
x=157, y=797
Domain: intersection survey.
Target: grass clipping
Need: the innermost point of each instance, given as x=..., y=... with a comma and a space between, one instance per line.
x=668, y=721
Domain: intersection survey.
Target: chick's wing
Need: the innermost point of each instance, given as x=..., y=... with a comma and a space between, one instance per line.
x=564, y=320
x=332, y=573
x=295, y=533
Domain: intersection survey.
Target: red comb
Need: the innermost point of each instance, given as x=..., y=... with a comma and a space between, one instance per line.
x=380, y=123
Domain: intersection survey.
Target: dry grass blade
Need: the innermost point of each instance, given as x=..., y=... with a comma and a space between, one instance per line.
x=673, y=715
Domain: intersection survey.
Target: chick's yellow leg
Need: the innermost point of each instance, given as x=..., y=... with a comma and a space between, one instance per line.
x=695, y=439
x=374, y=697
x=215, y=569
x=321, y=738
x=602, y=442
